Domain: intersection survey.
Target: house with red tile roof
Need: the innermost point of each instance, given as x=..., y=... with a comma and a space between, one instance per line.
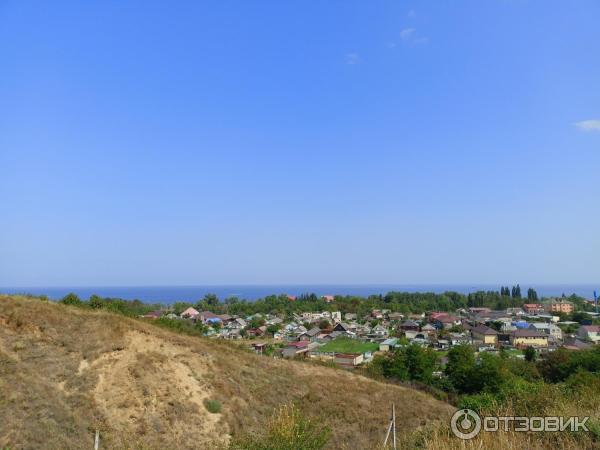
x=190, y=313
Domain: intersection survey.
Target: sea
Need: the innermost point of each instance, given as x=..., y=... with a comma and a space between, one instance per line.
x=170, y=294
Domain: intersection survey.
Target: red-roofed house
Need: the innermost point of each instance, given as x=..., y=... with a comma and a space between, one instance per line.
x=190, y=313
x=446, y=321
x=433, y=316
x=153, y=314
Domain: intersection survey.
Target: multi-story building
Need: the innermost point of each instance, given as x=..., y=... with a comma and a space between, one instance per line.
x=533, y=308
x=560, y=306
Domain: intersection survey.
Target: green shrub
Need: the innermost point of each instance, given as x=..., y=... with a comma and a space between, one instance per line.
x=289, y=429
x=479, y=402
x=71, y=299
x=213, y=406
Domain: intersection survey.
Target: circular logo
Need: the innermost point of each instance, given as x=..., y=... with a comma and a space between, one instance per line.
x=465, y=424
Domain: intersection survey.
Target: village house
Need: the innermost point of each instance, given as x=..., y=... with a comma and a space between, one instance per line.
x=523, y=338
x=274, y=321
x=310, y=335
x=409, y=325
x=348, y=360
x=514, y=312
x=377, y=314
x=533, y=308
x=550, y=329
x=378, y=332
x=416, y=317
x=395, y=316
x=576, y=344
x=153, y=315
x=330, y=336
x=328, y=298
x=256, y=332
x=485, y=334
x=388, y=345
x=298, y=330
x=434, y=315
x=459, y=339
x=207, y=316
x=589, y=333
x=225, y=318
x=446, y=321
x=507, y=327
x=477, y=311
x=336, y=316
x=344, y=328
x=259, y=347
x=428, y=329
x=465, y=325
x=295, y=349
x=190, y=313
x=441, y=344
x=228, y=333
x=311, y=316
x=237, y=324
x=560, y=306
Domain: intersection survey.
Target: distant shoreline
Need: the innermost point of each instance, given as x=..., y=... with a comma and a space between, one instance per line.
x=171, y=294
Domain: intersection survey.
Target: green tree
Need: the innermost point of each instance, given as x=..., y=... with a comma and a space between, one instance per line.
x=256, y=322
x=420, y=363
x=95, y=302
x=71, y=299
x=211, y=299
x=532, y=295
x=324, y=324
x=273, y=328
x=516, y=291
x=412, y=362
x=179, y=307
x=530, y=354
x=460, y=366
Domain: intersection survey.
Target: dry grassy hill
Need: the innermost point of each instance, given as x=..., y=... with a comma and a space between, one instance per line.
x=65, y=372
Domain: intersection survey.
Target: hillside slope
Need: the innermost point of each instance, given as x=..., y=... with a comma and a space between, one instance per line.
x=65, y=372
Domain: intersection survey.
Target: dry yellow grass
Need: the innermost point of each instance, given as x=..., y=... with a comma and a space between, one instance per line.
x=65, y=372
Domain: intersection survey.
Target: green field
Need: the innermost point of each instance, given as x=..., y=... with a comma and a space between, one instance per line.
x=348, y=345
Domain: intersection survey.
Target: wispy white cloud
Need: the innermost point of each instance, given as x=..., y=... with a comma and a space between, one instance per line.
x=407, y=33
x=410, y=36
x=352, y=58
x=589, y=125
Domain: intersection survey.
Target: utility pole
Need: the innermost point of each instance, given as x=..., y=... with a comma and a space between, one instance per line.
x=394, y=422
x=596, y=301
x=97, y=440
x=391, y=429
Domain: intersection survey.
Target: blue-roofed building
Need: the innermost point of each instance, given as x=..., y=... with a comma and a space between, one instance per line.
x=388, y=344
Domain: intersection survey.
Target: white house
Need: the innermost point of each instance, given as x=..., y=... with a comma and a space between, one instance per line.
x=589, y=333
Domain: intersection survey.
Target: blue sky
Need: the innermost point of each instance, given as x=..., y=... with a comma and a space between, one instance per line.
x=299, y=142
